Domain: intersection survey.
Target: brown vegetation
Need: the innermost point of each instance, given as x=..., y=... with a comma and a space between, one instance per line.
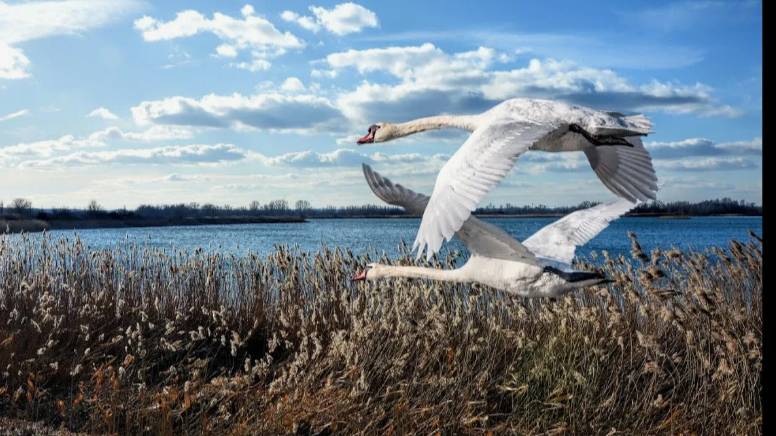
x=138, y=341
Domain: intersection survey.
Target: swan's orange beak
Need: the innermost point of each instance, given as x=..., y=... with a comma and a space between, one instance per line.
x=359, y=277
x=366, y=139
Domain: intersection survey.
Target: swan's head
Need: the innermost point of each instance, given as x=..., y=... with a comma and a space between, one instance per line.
x=380, y=132
x=373, y=271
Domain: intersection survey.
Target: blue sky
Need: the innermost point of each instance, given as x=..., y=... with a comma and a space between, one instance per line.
x=131, y=102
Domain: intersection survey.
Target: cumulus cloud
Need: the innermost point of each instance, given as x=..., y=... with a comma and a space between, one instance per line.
x=18, y=153
x=292, y=84
x=694, y=147
x=342, y=19
x=20, y=22
x=270, y=111
x=306, y=22
x=196, y=154
x=13, y=115
x=430, y=78
x=13, y=62
x=707, y=164
x=251, y=33
x=343, y=157
x=103, y=113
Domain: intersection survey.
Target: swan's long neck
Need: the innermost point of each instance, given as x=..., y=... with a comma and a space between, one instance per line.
x=416, y=272
x=466, y=122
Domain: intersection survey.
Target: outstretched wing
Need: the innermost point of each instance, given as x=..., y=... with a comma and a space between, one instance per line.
x=473, y=171
x=480, y=238
x=558, y=241
x=626, y=171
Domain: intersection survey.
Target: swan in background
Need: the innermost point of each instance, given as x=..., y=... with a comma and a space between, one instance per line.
x=539, y=267
x=501, y=134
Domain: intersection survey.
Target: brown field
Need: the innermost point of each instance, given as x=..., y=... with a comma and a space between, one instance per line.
x=138, y=341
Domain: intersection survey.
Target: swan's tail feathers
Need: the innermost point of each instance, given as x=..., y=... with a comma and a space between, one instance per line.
x=581, y=278
x=629, y=125
x=640, y=123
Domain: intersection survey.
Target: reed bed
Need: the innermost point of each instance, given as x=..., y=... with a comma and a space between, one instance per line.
x=134, y=340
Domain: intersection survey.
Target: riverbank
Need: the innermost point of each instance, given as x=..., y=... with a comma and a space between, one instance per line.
x=38, y=225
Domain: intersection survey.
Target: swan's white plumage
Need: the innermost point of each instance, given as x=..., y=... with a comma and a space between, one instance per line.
x=502, y=133
x=558, y=241
x=480, y=238
x=475, y=169
x=497, y=259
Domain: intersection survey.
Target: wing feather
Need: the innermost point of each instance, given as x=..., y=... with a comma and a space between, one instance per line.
x=626, y=171
x=472, y=172
x=480, y=238
x=558, y=241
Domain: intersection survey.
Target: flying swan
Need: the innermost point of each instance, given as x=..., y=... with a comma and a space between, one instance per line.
x=611, y=141
x=539, y=267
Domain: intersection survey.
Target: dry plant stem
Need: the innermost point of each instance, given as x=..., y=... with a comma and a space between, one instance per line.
x=134, y=340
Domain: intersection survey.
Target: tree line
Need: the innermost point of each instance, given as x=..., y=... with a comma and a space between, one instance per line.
x=21, y=208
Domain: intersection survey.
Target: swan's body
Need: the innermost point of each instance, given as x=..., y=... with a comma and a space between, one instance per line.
x=501, y=134
x=539, y=267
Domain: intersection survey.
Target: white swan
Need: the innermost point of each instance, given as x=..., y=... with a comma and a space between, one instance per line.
x=539, y=267
x=501, y=134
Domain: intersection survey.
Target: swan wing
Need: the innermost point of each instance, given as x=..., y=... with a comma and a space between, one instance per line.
x=472, y=172
x=558, y=241
x=479, y=237
x=626, y=171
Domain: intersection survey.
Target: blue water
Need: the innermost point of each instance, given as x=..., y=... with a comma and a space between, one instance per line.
x=384, y=235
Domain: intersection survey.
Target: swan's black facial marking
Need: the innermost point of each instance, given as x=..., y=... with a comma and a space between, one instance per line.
x=599, y=140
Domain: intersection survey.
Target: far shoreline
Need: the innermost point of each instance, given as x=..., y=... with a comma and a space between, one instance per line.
x=37, y=225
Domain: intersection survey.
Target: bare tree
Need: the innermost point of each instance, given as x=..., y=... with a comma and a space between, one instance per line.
x=254, y=206
x=93, y=208
x=302, y=205
x=22, y=206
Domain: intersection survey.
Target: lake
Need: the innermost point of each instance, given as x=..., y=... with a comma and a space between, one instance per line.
x=384, y=235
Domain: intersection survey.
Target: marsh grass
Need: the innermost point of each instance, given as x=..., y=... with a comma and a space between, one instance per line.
x=133, y=340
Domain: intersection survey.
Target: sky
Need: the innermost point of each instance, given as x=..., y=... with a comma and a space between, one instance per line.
x=131, y=102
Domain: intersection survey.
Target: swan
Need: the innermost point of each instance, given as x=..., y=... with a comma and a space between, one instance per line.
x=539, y=267
x=610, y=140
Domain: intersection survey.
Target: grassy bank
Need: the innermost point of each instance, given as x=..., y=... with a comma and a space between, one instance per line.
x=132, y=341
x=39, y=225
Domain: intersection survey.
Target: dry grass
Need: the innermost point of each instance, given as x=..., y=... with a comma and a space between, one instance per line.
x=138, y=341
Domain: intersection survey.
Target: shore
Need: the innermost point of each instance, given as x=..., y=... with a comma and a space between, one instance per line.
x=37, y=225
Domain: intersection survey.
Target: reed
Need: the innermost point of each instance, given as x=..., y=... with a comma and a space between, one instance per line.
x=135, y=340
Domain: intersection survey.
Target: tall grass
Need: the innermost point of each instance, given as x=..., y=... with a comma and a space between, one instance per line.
x=133, y=340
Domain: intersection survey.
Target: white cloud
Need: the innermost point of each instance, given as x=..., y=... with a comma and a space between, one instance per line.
x=342, y=157
x=292, y=84
x=430, y=79
x=152, y=134
x=251, y=33
x=707, y=164
x=13, y=62
x=196, y=154
x=103, y=113
x=17, y=154
x=20, y=22
x=268, y=111
x=226, y=50
x=343, y=19
x=12, y=115
x=304, y=21
x=256, y=64
x=694, y=147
